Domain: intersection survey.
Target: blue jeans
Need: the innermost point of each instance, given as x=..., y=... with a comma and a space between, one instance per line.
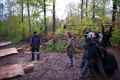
x=34, y=54
x=84, y=59
x=70, y=53
x=71, y=59
x=87, y=66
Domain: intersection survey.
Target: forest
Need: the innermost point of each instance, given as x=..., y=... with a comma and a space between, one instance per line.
x=61, y=34
x=19, y=18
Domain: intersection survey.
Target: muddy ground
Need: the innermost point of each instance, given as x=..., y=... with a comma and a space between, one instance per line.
x=53, y=66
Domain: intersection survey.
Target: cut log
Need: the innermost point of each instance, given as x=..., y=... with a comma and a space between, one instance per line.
x=2, y=44
x=28, y=67
x=9, y=51
x=24, y=48
x=20, y=50
x=11, y=71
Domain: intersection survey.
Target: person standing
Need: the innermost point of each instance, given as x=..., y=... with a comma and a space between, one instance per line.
x=107, y=34
x=92, y=55
x=70, y=47
x=35, y=46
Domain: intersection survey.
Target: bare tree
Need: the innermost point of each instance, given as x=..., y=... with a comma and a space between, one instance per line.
x=114, y=12
x=82, y=13
x=86, y=8
x=22, y=9
x=45, y=24
x=54, y=17
x=29, y=21
x=93, y=15
x=1, y=10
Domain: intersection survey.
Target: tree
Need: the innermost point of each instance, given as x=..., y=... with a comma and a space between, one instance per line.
x=72, y=10
x=119, y=12
x=86, y=8
x=93, y=13
x=114, y=12
x=22, y=10
x=28, y=11
x=104, y=7
x=45, y=25
x=82, y=13
x=22, y=16
x=54, y=17
x=1, y=11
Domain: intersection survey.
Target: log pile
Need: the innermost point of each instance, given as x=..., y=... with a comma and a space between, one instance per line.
x=13, y=70
x=8, y=51
x=2, y=44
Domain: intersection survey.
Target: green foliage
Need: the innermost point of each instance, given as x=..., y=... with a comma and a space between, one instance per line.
x=105, y=19
x=59, y=46
x=14, y=29
x=60, y=29
x=79, y=26
x=2, y=29
x=116, y=36
x=11, y=29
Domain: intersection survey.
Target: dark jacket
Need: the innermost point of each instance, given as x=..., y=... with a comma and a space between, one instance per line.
x=35, y=41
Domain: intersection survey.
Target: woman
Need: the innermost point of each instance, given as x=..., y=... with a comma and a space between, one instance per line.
x=70, y=47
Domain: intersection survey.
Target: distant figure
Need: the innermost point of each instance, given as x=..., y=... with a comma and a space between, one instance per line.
x=70, y=47
x=106, y=37
x=35, y=44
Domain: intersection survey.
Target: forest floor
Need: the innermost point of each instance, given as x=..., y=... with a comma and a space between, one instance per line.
x=53, y=66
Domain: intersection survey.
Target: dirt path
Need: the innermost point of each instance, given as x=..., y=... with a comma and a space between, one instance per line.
x=51, y=66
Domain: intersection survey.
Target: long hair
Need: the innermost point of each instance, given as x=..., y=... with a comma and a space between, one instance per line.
x=69, y=35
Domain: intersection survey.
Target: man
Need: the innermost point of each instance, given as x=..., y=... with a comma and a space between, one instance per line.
x=35, y=45
x=106, y=37
x=92, y=54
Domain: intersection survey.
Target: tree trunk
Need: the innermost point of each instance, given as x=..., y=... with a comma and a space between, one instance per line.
x=119, y=14
x=54, y=23
x=9, y=7
x=22, y=19
x=45, y=25
x=54, y=18
x=104, y=7
x=114, y=13
x=86, y=8
x=82, y=4
x=22, y=8
x=29, y=21
x=93, y=15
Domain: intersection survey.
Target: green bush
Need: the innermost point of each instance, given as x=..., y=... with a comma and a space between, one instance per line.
x=59, y=46
x=116, y=36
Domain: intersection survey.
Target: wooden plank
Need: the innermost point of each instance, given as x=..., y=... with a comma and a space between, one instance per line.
x=2, y=44
x=11, y=71
x=9, y=51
